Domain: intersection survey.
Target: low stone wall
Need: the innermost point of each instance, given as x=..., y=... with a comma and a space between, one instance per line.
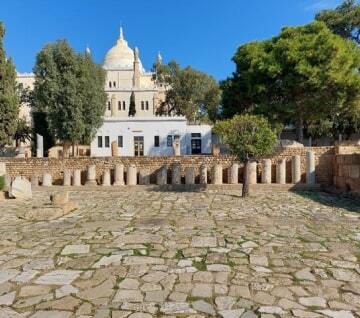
x=347, y=172
x=37, y=166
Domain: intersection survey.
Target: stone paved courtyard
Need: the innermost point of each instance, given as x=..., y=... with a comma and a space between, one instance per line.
x=155, y=254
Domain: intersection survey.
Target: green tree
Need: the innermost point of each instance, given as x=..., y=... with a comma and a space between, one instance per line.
x=189, y=92
x=69, y=88
x=304, y=75
x=9, y=100
x=23, y=132
x=132, y=106
x=248, y=137
x=343, y=20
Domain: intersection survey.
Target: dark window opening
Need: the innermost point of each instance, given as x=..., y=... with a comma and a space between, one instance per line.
x=120, y=141
x=107, y=141
x=123, y=105
x=147, y=105
x=169, y=141
x=100, y=144
x=156, y=141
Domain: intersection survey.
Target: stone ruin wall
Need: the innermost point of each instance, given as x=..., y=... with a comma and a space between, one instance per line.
x=29, y=166
x=347, y=172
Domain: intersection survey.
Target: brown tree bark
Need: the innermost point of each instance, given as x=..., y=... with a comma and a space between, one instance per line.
x=300, y=130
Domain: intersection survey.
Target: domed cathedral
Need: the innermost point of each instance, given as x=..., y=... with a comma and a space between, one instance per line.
x=126, y=76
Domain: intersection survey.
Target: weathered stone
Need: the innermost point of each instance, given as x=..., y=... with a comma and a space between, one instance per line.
x=59, y=198
x=119, y=175
x=34, y=179
x=203, y=241
x=131, y=176
x=203, y=306
x=123, y=295
x=176, y=147
x=266, y=171
x=67, y=177
x=58, y=277
x=21, y=189
x=47, y=180
x=251, y=170
x=144, y=176
x=75, y=249
x=217, y=174
x=310, y=167
x=161, y=176
x=203, y=174
x=313, y=301
x=176, y=173
x=233, y=174
x=106, y=181
x=176, y=308
x=77, y=178
x=189, y=175
x=281, y=172
x=114, y=149
x=305, y=274
x=91, y=175
x=295, y=169
x=39, y=146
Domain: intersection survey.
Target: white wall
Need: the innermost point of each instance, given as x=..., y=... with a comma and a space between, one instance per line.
x=148, y=128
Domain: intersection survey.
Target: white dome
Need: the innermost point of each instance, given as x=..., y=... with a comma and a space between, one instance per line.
x=119, y=56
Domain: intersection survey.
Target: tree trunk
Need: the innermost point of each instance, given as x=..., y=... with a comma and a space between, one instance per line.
x=246, y=186
x=300, y=130
x=66, y=148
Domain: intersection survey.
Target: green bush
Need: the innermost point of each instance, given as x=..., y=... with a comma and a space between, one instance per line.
x=2, y=182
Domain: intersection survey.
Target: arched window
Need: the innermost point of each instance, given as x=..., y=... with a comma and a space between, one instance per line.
x=142, y=105
x=147, y=105
x=109, y=105
x=114, y=84
x=110, y=84
x=124, y=105
x=119, y=105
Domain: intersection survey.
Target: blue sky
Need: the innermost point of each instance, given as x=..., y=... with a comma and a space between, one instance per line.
x=200, y=33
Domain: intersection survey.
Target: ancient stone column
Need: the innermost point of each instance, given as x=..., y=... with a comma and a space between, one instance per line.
x=161, y=176
x=215, y=149
x=252, y=172
x=77, y=178
x=91, y=175
x=203, y=174
x=266, y=171
x=114, y=149
x=217, y=174
x=295, y=169
x=67, y=178
x=281, y=172
x=131, y=176
x=233, y=174
x=106, y=178
x=189, y=175
x=119, y=175
x=34, y=180
x=144, y=176
x=47, y=180
x=176, y=147
x=39, y=146
x=310, y=167
x=176, y=173
x=2, y=168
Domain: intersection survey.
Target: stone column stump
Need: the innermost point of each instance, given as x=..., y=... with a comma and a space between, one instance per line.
x=67, y=178
x=119, y=175
x=203, y=174
x=295, y=169
x=34, y=179
x=144, y=176
x=281, y=172
x=106, y=178
x=91, y=175
x=217, y=174
x=310, y=167
x=176, y=174
x=77, y=178
x=233, y=174
x=252, y=172
x=189, y=175
x=131, y=176
x=161, y=176
x=47, y=180
x=266, y=171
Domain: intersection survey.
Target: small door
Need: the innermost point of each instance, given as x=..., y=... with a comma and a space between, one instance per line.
x=138, y=146
x=195, y=146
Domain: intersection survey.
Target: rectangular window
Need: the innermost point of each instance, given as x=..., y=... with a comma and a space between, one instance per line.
x=196, y=135
x=100, y=142
x=169, y=141
x=147, y=105
x=119, y=105
x=110, y=84
x=156, y=141
x=142, y=105
x=120, y=141
x=107, y=141
x=123, y=105
x=176, y=137
x=109, y=106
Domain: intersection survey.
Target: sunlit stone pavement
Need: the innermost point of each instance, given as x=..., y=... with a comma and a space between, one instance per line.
x=156, y=254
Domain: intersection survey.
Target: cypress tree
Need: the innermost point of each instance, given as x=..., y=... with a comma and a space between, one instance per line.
x=9, y=100
x=132, y=108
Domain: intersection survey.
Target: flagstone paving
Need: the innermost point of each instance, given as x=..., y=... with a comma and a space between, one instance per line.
x=142, y=254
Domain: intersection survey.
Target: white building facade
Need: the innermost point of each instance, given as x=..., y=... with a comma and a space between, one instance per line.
x=143, y=134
